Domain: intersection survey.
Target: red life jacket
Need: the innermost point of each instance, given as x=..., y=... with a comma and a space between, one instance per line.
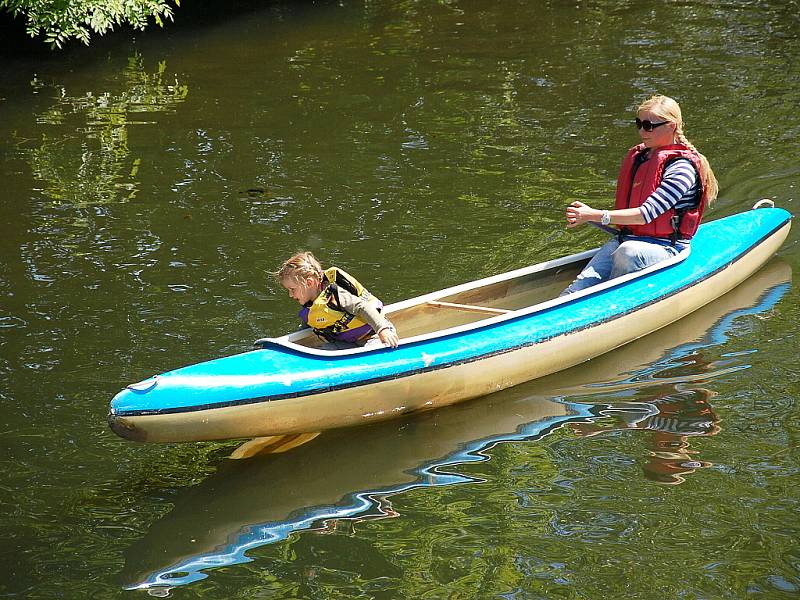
x=633, y=188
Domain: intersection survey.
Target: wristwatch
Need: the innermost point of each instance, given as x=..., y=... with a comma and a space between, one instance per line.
x=605, y=218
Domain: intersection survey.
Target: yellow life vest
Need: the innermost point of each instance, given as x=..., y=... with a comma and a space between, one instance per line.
x=325, y=315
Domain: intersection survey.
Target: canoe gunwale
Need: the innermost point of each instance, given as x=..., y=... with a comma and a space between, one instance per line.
x=286, y=342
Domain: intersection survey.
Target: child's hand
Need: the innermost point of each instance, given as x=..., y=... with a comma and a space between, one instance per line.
x=388, y=336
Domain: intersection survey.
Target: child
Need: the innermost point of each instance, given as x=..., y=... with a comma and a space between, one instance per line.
x=335, y=305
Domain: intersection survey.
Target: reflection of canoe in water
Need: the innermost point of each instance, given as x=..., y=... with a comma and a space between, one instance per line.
x=458, y=343
x=248, y=504
x=341, y=474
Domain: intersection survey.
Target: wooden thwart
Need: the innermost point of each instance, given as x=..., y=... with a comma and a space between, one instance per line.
x=469, y=307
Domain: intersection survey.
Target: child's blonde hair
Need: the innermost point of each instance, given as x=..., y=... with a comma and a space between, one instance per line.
x=299, y=267
x=669, y=110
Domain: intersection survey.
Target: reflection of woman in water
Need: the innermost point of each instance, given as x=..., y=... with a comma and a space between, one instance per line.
x=670, y=459
x=672, y=419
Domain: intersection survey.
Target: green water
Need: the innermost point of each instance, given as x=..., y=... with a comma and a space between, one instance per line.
x=151, y=182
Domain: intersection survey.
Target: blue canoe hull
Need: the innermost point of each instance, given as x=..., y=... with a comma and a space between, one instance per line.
x=284, y=388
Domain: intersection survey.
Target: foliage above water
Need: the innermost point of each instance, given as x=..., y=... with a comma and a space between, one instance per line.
x=60, y=21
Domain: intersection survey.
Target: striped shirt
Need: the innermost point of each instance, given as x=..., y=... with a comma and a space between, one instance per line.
x=678, y=189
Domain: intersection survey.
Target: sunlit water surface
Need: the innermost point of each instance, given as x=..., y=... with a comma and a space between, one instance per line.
x=152, y=181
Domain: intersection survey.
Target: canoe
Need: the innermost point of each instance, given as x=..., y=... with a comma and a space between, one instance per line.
x=456, y=344
x=244, y=505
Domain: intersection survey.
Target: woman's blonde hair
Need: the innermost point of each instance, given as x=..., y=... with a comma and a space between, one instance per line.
x=669, y=110
x=299, y=267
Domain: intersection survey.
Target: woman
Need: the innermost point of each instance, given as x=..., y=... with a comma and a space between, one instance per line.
x=662, y=189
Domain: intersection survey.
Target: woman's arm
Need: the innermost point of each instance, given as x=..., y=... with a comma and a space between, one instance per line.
x=579, y=213
x=678, y=183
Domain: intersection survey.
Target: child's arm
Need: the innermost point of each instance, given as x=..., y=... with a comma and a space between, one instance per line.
x=367, y=312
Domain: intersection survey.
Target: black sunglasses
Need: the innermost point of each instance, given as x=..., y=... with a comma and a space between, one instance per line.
x=648, y=125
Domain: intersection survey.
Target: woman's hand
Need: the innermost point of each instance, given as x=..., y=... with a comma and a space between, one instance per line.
x=579, y=213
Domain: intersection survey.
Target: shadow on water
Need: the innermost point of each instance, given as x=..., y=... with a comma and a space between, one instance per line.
x=352, y=474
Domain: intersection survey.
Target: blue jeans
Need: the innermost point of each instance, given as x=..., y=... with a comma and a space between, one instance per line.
x=615, y=259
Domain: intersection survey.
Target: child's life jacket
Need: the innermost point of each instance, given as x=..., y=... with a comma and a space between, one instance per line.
x=329, y=319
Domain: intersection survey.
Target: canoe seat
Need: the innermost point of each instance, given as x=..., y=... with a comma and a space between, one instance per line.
x=469, y=307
